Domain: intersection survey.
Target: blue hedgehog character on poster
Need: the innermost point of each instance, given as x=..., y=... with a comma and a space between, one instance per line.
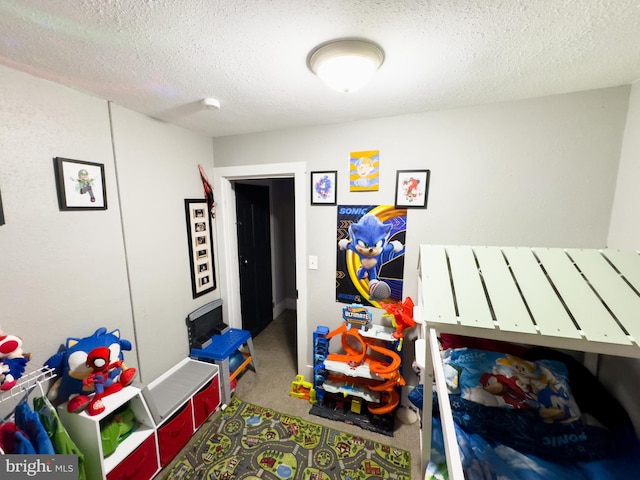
x=369, y=239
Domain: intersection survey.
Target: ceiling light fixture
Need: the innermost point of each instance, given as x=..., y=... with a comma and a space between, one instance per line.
x=346, y=64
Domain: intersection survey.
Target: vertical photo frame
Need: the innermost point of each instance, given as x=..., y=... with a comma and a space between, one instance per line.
x=80, y=184
x=200, y=237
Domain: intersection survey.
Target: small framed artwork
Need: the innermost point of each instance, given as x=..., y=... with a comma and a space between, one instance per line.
x=203, y=277
x=323, y=188
x=1, y=212
x=364, y=171
x=80, y=184
x=412, y=188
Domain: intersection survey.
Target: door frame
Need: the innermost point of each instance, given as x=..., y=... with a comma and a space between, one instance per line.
x=227, y=242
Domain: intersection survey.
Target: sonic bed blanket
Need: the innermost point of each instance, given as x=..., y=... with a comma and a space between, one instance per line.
x=540, y=416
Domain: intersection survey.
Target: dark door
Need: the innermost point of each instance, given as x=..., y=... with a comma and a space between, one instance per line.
x=254, y=251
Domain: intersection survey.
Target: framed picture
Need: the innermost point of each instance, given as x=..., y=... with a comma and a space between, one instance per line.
x=412, y=188
x=323, y=188
x=80, y=184
x=203, y=275
x=1, y=212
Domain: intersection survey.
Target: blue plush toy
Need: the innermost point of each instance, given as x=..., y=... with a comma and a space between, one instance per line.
x=71, y=367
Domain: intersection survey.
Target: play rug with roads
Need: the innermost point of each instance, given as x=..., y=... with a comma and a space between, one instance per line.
x=250, y=442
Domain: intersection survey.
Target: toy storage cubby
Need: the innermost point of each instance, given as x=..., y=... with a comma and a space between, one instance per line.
x=180, y=401
x=167, y=413
x=136, y=455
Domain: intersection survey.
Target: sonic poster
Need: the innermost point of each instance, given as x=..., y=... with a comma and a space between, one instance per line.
x=370, y=259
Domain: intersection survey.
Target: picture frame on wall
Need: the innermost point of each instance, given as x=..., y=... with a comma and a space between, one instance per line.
x=80, y=184
x=412, y=188
x=200, y=237
x=323, y=187
x=1, y=211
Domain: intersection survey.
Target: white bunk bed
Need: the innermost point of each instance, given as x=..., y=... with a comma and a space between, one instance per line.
x=586, y=300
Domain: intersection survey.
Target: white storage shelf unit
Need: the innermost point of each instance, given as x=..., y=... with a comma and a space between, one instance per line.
x=167, y=413
x=84, y=429
x=586, y=300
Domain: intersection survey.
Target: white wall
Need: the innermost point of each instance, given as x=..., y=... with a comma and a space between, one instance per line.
x=63, y=273
x=157, y=166
x=624, y=232
x=539, y=172
x=66, y=273
x=622, y=375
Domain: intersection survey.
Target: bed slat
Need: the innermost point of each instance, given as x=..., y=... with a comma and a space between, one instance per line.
x=508, y=307
x=545, y=306
x=627, y=263
x=473, y=309
x=595, y=321
x=614, y=291
x=436, y=285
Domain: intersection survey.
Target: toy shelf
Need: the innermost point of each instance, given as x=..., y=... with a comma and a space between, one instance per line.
x=167, y=413
x=85, y=430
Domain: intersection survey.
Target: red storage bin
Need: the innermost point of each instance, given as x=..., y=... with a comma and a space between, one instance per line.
x=206, y=401
x=175, y=433
x=142, y=464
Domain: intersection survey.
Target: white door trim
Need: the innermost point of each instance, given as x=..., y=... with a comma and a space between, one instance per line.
x=227, y=251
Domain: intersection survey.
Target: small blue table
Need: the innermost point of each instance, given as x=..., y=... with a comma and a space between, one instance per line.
x=219, y=351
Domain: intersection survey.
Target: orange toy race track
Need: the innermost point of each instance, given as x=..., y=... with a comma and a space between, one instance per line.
x=387, y=370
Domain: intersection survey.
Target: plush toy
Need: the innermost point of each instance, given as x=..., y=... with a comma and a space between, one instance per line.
x=72, y=366
x=13, y=360
x=102, y=378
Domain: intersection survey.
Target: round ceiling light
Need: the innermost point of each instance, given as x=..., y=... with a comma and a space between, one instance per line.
x=346, y=65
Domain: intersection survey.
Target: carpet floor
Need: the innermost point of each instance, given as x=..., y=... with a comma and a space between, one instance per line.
x=248, y=441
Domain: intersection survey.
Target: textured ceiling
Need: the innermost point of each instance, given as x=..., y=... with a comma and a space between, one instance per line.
x=161, y=57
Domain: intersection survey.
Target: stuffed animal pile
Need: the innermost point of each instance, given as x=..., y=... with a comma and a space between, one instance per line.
x=88, y=369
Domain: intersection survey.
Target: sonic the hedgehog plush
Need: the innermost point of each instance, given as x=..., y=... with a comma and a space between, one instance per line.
x=72, y=367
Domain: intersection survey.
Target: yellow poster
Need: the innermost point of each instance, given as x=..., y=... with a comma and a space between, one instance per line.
x=364, y=169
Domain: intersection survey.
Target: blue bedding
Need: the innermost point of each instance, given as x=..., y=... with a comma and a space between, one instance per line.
x=508, y=428
x=484, y=459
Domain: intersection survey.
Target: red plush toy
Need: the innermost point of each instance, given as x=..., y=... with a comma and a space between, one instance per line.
x=102, y=378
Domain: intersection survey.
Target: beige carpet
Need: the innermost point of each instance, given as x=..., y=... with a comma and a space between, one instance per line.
x=270, y=386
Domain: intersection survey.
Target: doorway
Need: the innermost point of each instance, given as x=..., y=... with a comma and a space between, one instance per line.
x=253, y=224
x=227, y=245
x=265, y=220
